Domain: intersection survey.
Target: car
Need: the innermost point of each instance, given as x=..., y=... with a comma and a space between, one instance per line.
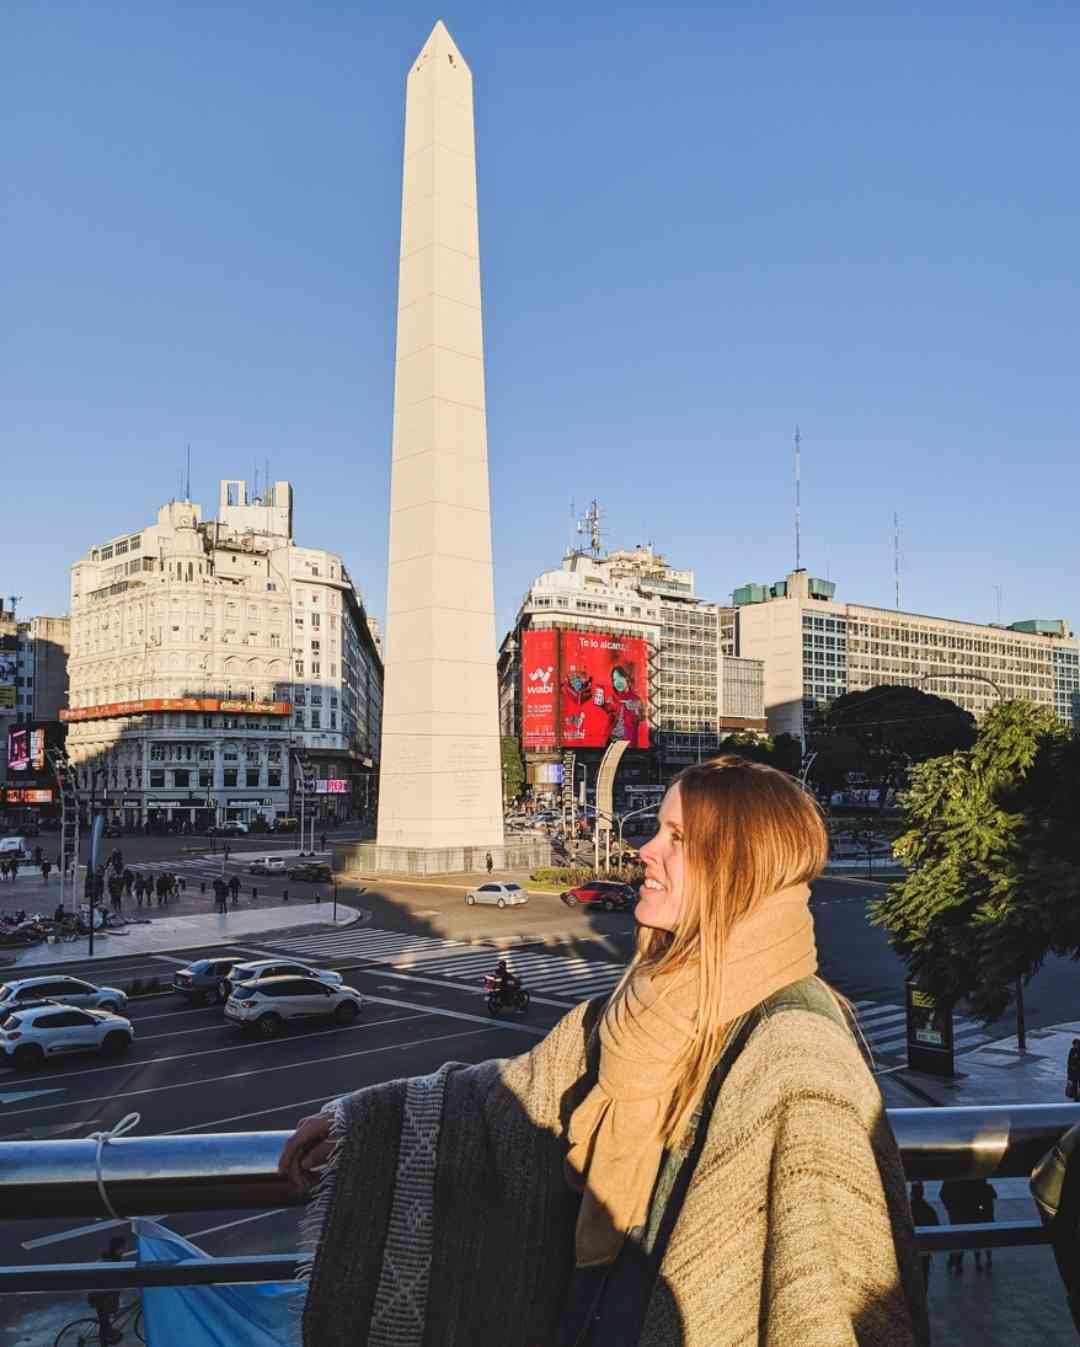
x=315, y=871
x=268, y=1004
x=267, y=865
x=201, y=981
x=286, y=825
x=71, y=991
x=605, y=893
x=28, y=1036
x=14, y=848
x=234, y=828
x=258, y=969
x=502, y=895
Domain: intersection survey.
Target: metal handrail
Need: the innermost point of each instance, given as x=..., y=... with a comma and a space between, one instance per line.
x=238, y=1170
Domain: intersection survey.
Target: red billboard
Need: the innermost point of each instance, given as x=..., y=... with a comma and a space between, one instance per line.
x=583, y=689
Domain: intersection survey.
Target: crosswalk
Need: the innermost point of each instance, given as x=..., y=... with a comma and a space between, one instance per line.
x=562, y=979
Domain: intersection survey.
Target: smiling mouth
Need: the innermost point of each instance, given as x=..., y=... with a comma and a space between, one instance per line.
x=652, y=886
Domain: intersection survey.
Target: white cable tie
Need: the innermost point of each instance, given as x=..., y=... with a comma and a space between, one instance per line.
x=125, y=1125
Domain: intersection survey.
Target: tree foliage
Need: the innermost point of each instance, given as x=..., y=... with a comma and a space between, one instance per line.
x=991, y=845
x=885, y=731
x=513, y=769
x=783, y=752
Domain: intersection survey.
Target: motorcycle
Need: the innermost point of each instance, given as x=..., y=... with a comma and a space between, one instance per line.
x=499, y=999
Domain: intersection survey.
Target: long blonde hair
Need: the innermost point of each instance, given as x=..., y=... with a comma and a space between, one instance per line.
x=749, y=831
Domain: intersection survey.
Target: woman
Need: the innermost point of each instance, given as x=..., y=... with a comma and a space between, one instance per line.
x=703, y=1162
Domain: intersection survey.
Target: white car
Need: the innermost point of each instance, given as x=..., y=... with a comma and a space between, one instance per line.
x=270, y=1003
x=72, y=991
x=276, y=968
x=268, y=865
x=49, y=1029
x=501, y=895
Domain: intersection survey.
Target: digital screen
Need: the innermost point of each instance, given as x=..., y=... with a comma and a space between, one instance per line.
x=584, y=689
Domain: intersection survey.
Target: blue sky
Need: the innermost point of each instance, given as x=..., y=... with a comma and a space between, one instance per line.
x=699, y=226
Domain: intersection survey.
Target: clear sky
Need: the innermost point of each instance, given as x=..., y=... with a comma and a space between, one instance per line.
x=699, y=225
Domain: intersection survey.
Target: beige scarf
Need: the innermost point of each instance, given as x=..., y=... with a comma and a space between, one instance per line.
x=616, y=1133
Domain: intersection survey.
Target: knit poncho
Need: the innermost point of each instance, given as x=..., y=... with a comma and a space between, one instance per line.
x=444, y=1219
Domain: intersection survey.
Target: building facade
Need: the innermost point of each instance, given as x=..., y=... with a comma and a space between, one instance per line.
x=816, y=649
x=699, y=691
x=33, y=691
x=205, y=654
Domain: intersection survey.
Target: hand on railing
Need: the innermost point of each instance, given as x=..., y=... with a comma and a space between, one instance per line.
x=308, y=1148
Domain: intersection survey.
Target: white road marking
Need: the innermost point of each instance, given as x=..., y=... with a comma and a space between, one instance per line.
x=13, y=1097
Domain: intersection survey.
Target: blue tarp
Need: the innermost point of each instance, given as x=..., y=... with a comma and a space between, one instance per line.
x=259, y=1315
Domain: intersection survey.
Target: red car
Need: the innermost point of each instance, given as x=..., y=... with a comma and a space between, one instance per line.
x=606, y=893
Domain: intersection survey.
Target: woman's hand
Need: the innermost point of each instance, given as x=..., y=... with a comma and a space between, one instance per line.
x=307, y=1148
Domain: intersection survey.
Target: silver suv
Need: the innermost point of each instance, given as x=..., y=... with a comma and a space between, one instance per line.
x=28, y=1036
x=72, y=991
x=269, y=1003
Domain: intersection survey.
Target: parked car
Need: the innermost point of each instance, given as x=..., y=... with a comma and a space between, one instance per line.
x=51, y=1030
x=605, y=893
x=268, y=1004
x=267, y=865
x=258, y=969
x=201, y=981
x=232, y=829
x=71, y=991
x=502, y=895
x=315, y=871
x=16, y=847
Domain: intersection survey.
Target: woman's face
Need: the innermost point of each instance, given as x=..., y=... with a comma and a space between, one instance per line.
x=619, y=681
x=660, y=900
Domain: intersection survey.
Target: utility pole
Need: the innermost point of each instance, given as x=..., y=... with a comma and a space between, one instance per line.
x=798, y=500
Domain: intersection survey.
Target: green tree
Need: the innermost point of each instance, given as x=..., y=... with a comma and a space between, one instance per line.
x=991, y=844
x=513, y=769
x=892, y=728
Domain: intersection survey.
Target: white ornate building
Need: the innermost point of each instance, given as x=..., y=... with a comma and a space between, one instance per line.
x=203, y=651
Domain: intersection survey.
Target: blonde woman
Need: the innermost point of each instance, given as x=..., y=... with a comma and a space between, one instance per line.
x=702, y=1162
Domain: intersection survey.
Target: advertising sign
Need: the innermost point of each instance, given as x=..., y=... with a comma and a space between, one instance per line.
x=22, y=796
x=584, y=689
x=331, y=786
x=26, y=749
x=929, y=1033
x=7, y=680
x=234, y=706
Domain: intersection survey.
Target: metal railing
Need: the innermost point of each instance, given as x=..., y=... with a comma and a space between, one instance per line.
x=146, y=1176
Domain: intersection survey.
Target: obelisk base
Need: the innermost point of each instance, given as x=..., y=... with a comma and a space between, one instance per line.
x=374, y=858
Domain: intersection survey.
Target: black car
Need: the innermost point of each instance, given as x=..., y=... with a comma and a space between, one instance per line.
x=202, y=980
x=315, y=871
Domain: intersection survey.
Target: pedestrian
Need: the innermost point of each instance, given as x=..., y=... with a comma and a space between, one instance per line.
x=961, y=1199
x=254, y=894
x=183, y=885
x=234, y=888
x=139, y=891
x=285, y=896
x=983, y=1197
x=322, y=841
x=58, y=915
x=38, y=857
x=489, y=863
x=160, y=885
x=202, y=885
x=45, y=871
x=1072, y=1069
x=14, y=868
x=922, y=1213
x=129, y=880
x=730, y=1211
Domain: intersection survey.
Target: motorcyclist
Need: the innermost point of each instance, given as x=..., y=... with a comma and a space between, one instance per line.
x=504, y=982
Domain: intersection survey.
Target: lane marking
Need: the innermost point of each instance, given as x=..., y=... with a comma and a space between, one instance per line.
x=238, y=1047
x=14, y=1096
x=488, y=1020
x=236, y=1075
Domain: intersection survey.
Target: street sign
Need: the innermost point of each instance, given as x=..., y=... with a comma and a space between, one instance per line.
x=929, y=1033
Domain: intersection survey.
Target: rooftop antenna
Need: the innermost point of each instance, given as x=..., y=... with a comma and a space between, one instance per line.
x=997, y=591
x=15, y=600
x=187, y=491
x=590, y=524
x=896, y=555
x=798, y=500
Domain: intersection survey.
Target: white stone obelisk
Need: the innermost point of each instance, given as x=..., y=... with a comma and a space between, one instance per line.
x=440, y=790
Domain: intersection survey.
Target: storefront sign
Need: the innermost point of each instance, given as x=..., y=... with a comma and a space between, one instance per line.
x=107, y=710
x=132, y=804
x=332, y=786
x=25, y=796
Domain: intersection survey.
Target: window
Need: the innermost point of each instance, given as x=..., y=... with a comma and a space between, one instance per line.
x=299, y=666
x=333, y=720
x=204, y=778
x=157, y=779
x=275, y=640
x=273, y=777
x=230, y=776
x=315, y=720
x=208, y=722
x=298, y=720
x=316, y=648
x=315, y=619
x=181, y=778
x=251, y=777
x=316, y=670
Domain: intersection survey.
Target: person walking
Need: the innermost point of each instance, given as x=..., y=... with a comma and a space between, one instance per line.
x=1072, y=1071
x=960, y=1198
x=183, y=885
x=254, y=894
x=234, y=889
x=983, y=1198
x=683, y=1152
x=922, y=1213
x=489, y=863
x=322, y=841
x=46, y=869
x=129, y=880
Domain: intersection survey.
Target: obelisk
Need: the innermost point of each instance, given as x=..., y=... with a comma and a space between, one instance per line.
x=440, y=792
